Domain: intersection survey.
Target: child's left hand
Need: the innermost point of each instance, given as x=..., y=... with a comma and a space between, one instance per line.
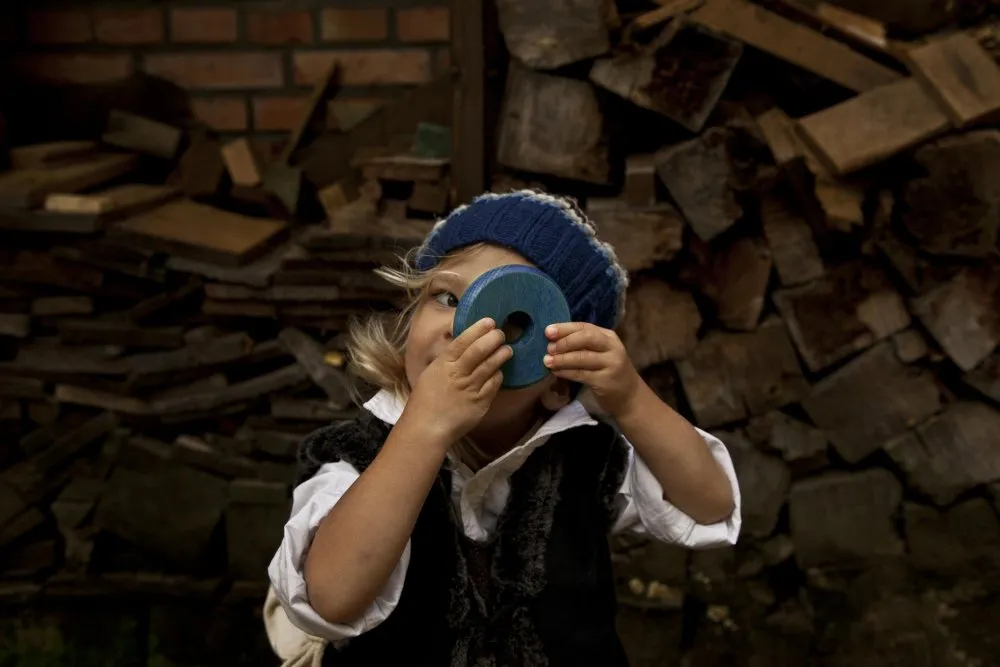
x=596, y=357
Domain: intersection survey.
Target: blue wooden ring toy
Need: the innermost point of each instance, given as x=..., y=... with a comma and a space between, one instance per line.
x=523, y=298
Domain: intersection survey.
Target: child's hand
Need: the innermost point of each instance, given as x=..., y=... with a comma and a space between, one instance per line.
x=455, y=391
x=596, y=357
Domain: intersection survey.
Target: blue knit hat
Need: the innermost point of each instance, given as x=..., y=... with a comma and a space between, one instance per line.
x=550, y=232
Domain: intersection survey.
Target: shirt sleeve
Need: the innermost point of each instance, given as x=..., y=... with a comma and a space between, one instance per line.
x=646, y=512
x=311, y=502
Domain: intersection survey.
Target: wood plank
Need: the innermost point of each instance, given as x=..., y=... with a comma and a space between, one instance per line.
x=667, y=10
x=222, y=292
x=682, y=79
x=660, y=324
x=566, y=113
x=797, y=44
x=211, y=399
x=470, y=134
x=27, y=188
x=962, y=316
x=15, y=325
x=873, y=126
x=553, y=34
x=310, y=356
x=796, y=257
x=118, y=332
x=114, y=203
x=243, y=162
x=285, y=183
x=641, y=236
x=202, y=232
x=200, y=171
x=961, y=76
x=870, y=400
x=62, y=305
x=328, y=158
x=50, y=153
x=640, y=180
x=737, y=283
x=312, y=110
x=430, y=197
x=696, y=173
x=402, y=168
x=144, y=135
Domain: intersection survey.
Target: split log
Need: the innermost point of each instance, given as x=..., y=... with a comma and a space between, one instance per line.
x=986, y=378
x=730, y=377
x=112, y=204
x=143, y=135
x=845, y=518
x=553, y=125
x=430, y=197
x=140, y=504
x=801, y=445
x=873, y=126
x=314, y=108
x=243, y=162
x=951, y=452
x=257, y=273
x=870, y=400
x=255, y=518
x=224, y=292
x=51, y=153
x=641, y=236
x=961, y=76
x=910, y=346
x=697, y=173
x=554, y=34
x=660, y=323
x=953, y=209
x=28, y=188
x=402, y=168
x=963, y=538
x=764, y=482
x=199, y=454
x=796, y=257
x=208, y=400
x=737, y=283
x=310, y=356
x=681, y=79
x=15, y=325
x=640, y=180
x=200, y=170
x=145, y=368
x=62, y=305
x=794, y=43
x=832, y=318
x=285, y=183
x=202, y=232
x=962, y=317
x=117, y=332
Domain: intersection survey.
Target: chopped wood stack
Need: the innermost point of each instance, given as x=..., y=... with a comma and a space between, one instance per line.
x=165, y=344
x=809, y=209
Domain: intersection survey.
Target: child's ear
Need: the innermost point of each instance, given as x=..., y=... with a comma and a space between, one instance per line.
x=557, y=395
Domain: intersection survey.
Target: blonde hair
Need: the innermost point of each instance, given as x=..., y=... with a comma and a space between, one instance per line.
x=376, y=345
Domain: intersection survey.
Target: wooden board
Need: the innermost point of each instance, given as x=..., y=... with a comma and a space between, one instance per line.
x=696, y=173
x=202, y=232
x=640, y=180
x=962, y=77
x=242, y=162
x=143, y=135
x=795, y=43
x=870, y=400
x=200, y=171
x=51, y=153
x=553, y=125
x=873, y=126
x=402, y=168
x=309, y=354
x=552, y=34
x=683, y=79
x=473, y=93
x=117, y=202
x=27, y=188
x=314, y=106
x=641, y=235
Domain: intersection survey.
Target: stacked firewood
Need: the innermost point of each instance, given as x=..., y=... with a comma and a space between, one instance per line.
x=807, y=205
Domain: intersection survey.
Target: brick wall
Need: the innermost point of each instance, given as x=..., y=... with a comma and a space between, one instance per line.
x=248, y=65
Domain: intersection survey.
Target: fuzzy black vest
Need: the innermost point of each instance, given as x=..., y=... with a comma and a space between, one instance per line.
x=539, y=592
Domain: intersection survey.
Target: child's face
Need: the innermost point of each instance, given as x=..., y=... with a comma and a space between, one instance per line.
x=431, y=331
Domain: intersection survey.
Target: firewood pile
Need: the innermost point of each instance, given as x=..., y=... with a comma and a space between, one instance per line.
x=172, y=310
x=805, y=197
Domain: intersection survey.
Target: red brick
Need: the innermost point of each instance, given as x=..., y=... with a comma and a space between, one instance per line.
x=203, y=25
x=363, y=68
x=59, y=27
x=220, y=71
x=423, y=24
x=138, y=26
x=278, y=114
x=280, y=27
x=344, y=114
x=224, y=114
x=76, y=67
x=354, y=25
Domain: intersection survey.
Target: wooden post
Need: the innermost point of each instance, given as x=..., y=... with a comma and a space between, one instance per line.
x=469, y=119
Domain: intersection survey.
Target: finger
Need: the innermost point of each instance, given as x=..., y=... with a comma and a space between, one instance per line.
x=589, y=338
x=493, y=363
x=468, y=337
x=557, y=331
x=479, y=351
x=580, y=360
x=492, y=385
x=575, y=375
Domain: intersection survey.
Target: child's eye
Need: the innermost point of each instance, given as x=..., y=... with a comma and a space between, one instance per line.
x=446, y=299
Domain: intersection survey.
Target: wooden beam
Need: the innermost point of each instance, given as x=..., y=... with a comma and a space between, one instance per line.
x=469, y=116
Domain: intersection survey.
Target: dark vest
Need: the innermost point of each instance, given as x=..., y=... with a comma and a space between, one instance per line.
x=539, y=592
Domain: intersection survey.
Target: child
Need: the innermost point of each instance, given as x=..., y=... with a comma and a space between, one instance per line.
x=461, y=524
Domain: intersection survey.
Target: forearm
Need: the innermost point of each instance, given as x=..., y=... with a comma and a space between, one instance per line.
x=675, y=452
x=359, y=543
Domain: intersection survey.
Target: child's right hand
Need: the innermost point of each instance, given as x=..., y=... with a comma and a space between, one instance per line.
x=456, y=390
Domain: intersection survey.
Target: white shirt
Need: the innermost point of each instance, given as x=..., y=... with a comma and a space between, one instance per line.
x=479, y=499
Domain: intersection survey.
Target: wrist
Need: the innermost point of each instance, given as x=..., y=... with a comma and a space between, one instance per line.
x=429, y=434
x=633, y=403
